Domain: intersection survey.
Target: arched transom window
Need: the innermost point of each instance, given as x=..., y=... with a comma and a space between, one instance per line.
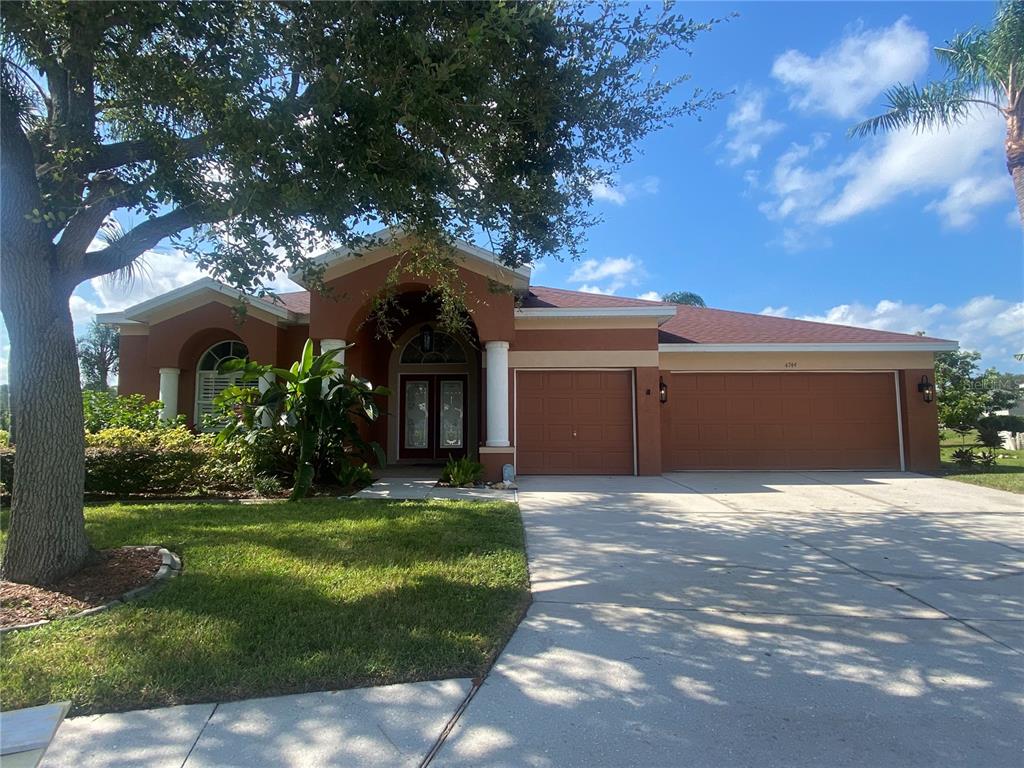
x=210, y=383
x=443, y=349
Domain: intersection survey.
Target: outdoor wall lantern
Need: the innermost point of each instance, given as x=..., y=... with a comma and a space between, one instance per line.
x=926, y=388
x=662, y=391
x=427, y=338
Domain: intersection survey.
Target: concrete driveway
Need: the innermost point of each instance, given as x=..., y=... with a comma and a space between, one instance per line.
x=760, y=619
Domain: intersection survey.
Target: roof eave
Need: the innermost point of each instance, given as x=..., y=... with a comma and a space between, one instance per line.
x=852, y=346
x=520, y=275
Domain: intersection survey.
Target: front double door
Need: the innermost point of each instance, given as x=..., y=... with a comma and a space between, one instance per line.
x=433, y=418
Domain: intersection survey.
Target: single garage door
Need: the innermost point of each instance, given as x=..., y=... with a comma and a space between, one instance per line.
x=574, y=422
x=782, y=421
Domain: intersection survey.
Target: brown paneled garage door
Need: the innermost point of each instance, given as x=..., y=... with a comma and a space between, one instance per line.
x=782, y=421
x=574, y=422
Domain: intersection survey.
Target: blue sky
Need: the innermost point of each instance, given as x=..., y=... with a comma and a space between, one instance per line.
x=766, y=205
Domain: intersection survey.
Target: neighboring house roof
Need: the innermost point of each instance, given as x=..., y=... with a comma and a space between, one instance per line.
x=704, y=326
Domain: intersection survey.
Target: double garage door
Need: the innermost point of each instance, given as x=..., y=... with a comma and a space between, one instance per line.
x=581, y=422
x=782, y=421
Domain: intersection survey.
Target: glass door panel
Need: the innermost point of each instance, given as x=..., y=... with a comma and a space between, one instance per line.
x=417, y=414
x=452, y=413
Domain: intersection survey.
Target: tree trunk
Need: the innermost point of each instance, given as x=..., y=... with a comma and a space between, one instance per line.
x=47, y=533
x=47, y=538
x=1015, y=154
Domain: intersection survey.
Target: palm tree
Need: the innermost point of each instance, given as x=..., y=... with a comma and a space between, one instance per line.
x=985, y=70
x=684, y=297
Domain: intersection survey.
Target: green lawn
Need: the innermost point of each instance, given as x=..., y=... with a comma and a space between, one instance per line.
x=1007, y=475
x=280, y=597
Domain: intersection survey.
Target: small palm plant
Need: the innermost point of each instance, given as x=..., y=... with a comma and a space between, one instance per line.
x=316, y=400
x=985, y=70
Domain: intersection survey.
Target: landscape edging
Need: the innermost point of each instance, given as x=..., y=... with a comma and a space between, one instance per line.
x=170, y=567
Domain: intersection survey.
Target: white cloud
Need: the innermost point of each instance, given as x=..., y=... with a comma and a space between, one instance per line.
x=963, y=164
x=992, y=326
x=747, y=128
x=614, y=274
x=159, y=271
x=1014, y=218
x=917, y=162
x=958, y=208
x=618, y=194
x=592, y=269
x=848, y=76
x=650, y=296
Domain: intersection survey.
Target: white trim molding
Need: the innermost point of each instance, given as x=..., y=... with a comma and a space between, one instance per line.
x=871, y=346
x=396, y=236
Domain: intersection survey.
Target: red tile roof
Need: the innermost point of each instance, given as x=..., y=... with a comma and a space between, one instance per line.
x=719, y=326
x=691, y=325
x=295, y=301
x=540, y=297
x=700, y=325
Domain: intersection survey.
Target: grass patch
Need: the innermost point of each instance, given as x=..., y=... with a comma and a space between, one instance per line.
x=1007, y=475
x=278, y=598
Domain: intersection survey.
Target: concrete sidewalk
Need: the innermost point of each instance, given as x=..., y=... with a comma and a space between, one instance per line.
x=382, y=727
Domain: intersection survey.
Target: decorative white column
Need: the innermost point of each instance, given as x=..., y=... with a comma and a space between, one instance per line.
x=264, y=383
x=497, y=393
x=169, y=393
x=326, y=345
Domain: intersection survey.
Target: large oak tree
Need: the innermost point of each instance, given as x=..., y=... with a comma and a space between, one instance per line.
x=254, y=133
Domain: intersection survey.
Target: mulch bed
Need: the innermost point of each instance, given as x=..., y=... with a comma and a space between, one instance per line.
x=124, y=569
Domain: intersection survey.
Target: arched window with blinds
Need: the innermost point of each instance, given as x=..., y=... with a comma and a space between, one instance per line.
x=210, y=383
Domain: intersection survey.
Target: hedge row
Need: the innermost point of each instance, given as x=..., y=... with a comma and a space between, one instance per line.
x=124, y=462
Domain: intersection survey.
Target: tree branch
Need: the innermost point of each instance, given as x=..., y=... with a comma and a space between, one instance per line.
x=109, y=156
x=140, y=239
x=106, y=195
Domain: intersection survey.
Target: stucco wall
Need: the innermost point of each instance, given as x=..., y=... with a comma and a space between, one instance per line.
x=920, y=422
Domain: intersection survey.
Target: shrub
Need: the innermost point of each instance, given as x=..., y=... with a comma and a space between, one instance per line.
x=266, y=485
x=988, y=436
x=104, y=410
x=964, y=457
x=462, y=471
x=986, y=459
x=351, y=475
x=5, y=438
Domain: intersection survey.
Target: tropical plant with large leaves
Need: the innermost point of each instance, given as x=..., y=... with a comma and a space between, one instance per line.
x=316, y=401
x=984, y=70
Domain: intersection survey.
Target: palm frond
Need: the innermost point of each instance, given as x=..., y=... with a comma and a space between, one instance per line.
x=966, y=60
x=109, y=233
x=935, y=104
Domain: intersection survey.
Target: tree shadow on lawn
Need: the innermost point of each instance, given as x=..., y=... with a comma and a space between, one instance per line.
x=350, y=533
x=217, y=637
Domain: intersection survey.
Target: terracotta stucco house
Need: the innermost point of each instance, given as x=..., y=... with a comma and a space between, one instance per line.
x=562, y=382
